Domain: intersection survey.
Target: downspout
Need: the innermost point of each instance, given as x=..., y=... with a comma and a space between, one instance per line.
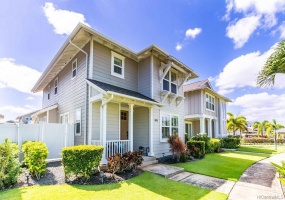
x=86, y=63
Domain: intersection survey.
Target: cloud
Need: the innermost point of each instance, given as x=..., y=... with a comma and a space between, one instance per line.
x=11, y=111
x=243, y=71
x=192, y=33
x=281, y=29
x=63, y=21
x=240, y=31
x=17, y=76
x=262, y=14
x=261, y=106
x=178, y=46
x=30, y=98
x=225, y=91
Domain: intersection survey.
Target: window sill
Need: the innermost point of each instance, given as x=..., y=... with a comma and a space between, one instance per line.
x=118, y=75
x=210, y=110
x=163, y=140
x=73, y=78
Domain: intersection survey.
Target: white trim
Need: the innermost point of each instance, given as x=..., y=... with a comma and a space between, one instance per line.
x=96, y=87
x=171, y=82
x=198, y=116
x=91, y=59
x=151, y=76
x=206, y=93
x=113, y=73
x=131, y=125
x=56, y=86
x=64, y=117
x=95, y=98
x=119, y=121
x=202, y=102
x=74, y=61
x=75, y=121
x=44, y=110
x=150, y=115
x=170, y=125
x=165, y=67
x=61, y=118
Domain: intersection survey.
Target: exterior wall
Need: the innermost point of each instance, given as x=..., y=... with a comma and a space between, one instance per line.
x=71, y=92
x=192, y=102
x=53, y=116
x=113, y=121
x=144, y=77
x=96, y=121
x=158, y=146
x=141, y=127
x=102, y=69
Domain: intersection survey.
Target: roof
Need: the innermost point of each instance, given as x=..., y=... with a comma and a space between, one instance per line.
x=45, y=110
x=30, y=113
x=107, y=87
x=203, y=85
x=80, y=36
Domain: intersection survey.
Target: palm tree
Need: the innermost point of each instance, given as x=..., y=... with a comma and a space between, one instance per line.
x=272, y=127
x=236, y=123
x=275, y=64
x=260, y=126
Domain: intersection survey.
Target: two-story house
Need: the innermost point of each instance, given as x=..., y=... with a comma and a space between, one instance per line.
x=116, y=97
x=205, y=110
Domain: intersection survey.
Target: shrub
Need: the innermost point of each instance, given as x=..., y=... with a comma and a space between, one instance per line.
x=196, y=148
x=35, y=155
x=230, y=142
x=9, y=164
x=262, y=141
x=184, y=156
x=205, y=138
x=177, y=146
x=82, y=160
x=119, y=163
x=215, y=145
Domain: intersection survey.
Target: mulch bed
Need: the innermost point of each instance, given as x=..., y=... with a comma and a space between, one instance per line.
x=54, y=175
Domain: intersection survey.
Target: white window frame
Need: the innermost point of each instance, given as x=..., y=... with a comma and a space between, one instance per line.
x=209, y=101
x=78, y=110
x=191, y=130
x=171, y=82
x=62, y=118
x=56, y=86
x=113, y=73
x=48, y=94
x=170, y=126
x=74, y=69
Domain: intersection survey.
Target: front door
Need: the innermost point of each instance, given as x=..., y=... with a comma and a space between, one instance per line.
x=124, y=125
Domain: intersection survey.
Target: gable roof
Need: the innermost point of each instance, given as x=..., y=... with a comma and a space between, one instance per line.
x=108, y=87
x=80, y=36
x=203, y=85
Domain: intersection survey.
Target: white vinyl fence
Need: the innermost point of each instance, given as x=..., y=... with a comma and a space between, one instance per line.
x=55, y=136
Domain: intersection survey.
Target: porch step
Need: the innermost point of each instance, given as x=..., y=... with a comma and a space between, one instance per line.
x=147, y=163
x=148, y=158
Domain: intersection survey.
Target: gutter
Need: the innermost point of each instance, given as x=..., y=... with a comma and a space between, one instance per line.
x=86, y=63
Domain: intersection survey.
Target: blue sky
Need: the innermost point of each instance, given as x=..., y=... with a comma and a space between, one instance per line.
x=225, y=41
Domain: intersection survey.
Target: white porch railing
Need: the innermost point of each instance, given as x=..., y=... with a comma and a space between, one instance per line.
x=96, y=142
x=117, y=146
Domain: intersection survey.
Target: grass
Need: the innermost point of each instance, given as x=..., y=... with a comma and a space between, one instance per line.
x=145, y=186
x=226, y=165
x=268, y=149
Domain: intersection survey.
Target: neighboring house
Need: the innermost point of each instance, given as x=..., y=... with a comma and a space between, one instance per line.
x=116, y=97
x=205, y=110
x=1, y=118
x=26, y=118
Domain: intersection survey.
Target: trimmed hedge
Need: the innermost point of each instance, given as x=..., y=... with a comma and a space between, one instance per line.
x=82, y=160
x=196, y=148
x=205, y=138
x=230, y=142
x=35, y=155
x=215, y=145
x=262, y=141
x=9, y=164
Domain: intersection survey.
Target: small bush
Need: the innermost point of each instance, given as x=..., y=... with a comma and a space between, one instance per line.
x=205, y=138
x=177, y=146
x=263, y=141
x=184, y=156
x=215, y=145
x=196, y=148
x=119, y=163
x=9, y=164
x=35, y=155
x=230, y=142
x=82, y=160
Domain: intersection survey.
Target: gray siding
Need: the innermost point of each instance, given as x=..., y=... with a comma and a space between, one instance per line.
x=96, y=121
x=192, y=102
x=102, y=69
x=141, y=127
x=71, y=92
x=144, y=77
x=113, y=131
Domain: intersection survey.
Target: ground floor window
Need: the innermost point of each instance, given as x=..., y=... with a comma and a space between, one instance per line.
x=169, y=125
x=78, y=122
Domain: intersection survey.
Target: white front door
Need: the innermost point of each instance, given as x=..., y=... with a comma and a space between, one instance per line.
x=188, y=129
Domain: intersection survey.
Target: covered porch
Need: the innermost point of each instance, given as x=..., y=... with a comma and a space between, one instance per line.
x=120, y=121
x=202, y=124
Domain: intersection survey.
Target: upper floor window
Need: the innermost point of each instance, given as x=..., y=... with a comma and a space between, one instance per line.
x=48, y=95
x=170, y=82
x=55, y=86
x=169, y=126
x=118, y=65
x=210, y=102
x=74, y=68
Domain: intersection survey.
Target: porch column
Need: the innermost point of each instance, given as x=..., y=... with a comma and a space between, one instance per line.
x=202, y=125
x=47, y=117
x=209, y=127
x=131, y=125
x=103, y=129
x=90, y=124
x=150, y=112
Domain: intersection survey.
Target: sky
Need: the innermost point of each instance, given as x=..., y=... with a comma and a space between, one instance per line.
x=226, y=41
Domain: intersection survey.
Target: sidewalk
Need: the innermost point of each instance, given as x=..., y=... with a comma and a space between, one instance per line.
x=259, y=181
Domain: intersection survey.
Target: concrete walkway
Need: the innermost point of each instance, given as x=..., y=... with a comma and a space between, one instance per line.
x=178, y=174
x=259, y=181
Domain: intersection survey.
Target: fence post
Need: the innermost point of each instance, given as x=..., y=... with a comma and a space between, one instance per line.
x=65, y=134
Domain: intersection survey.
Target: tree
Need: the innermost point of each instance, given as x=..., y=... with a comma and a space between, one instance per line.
x=236, y=123
x=275, y=64
x=272, y=127
x=260, y=126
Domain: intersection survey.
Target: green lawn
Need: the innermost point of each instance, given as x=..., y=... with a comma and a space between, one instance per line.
x=145, y=186
x=269, y=149
x=226, y=165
